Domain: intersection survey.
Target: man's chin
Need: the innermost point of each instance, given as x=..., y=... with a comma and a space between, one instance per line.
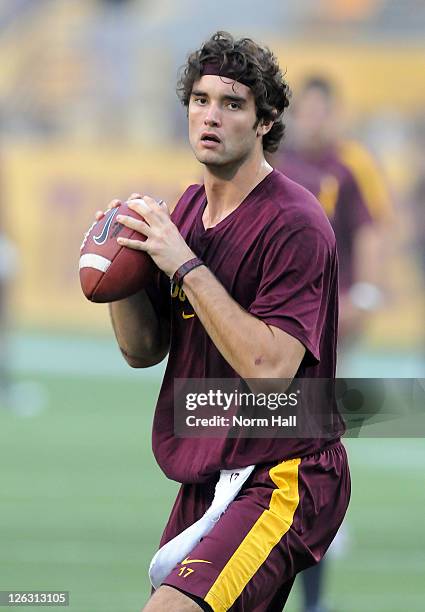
x=209, y=158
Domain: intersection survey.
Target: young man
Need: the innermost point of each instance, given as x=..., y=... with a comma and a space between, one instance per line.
x=255, y=261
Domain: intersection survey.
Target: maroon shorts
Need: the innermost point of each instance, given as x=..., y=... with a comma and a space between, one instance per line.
x=281, y=522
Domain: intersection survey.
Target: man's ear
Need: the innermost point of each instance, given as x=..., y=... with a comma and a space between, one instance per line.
x=265, y=125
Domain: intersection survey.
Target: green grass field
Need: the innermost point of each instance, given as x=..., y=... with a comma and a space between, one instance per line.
x=83, y=504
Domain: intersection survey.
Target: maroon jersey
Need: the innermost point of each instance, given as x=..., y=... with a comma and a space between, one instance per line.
x=276, y=256
x=330, y=177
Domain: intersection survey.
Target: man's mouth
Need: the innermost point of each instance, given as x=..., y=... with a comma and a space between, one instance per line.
x=207, y=137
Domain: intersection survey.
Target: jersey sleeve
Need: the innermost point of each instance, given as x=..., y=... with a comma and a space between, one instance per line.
x=373, y=189
x=159, y=294
x=299, y=280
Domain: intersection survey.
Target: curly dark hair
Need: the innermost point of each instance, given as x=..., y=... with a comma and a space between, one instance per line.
x=255, y=66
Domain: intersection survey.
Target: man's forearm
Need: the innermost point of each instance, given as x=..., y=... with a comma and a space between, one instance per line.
x=141, y=335
x=247, y=343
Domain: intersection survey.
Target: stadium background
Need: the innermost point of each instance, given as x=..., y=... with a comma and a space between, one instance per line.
x=88, y=112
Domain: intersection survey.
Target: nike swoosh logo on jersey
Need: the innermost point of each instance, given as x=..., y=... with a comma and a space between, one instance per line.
x=187, y=560
x=101, y=239
x=187, y=316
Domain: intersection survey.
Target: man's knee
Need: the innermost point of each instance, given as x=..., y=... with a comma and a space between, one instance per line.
x=168, y=598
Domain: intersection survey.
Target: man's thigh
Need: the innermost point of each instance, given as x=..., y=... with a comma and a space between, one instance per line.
x=172, y=600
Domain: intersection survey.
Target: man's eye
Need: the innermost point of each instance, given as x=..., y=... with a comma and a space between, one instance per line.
x=234, y=105
x=200, y=101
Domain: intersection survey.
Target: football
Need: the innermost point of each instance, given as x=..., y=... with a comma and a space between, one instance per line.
x=109, y=271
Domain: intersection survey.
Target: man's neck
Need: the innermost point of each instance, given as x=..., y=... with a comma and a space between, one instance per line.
x=227, y=188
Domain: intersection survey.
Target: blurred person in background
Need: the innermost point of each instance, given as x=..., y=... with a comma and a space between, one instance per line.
x=23, y=397
x=417, y=205
x=344, y=177
x=8, y=265
x=417, y=195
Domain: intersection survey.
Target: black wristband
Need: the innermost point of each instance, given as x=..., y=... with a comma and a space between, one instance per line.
x=185, y=268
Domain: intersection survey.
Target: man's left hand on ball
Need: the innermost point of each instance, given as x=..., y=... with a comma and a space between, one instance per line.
x=164, y=243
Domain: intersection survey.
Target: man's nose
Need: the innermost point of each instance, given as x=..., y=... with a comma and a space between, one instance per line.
x=213, y=116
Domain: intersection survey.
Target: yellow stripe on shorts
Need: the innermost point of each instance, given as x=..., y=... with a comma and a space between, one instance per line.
x=267, y=531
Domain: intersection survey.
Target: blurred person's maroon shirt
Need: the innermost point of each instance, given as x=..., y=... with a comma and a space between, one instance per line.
x=276, y=256
x=328, y=176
